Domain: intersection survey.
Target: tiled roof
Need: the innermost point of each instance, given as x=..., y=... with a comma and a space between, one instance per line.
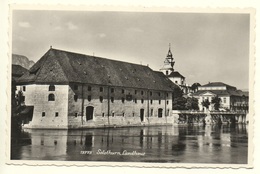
x=175, y=74
x=58, y=66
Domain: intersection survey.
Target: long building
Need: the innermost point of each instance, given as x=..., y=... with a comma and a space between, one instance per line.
x=69, y=90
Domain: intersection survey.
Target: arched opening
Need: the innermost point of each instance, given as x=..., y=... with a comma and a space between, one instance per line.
x=51, y=97
x=160, y=112
x=89, y=113
x=142, y=114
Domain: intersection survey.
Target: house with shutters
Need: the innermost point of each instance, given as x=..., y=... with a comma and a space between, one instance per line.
x=68, y=90
x=231, y=98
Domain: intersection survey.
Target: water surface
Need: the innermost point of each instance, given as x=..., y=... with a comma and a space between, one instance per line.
x=172, y=144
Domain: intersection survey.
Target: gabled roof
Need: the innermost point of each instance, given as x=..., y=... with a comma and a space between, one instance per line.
x=175, y=74
x=58, y=66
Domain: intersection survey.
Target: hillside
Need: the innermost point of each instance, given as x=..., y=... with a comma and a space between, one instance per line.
x=22, y=60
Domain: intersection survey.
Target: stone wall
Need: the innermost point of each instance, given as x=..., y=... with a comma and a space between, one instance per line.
x=56, y=112
x=116, y=113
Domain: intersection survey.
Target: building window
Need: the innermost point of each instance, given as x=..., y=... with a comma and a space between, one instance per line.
x=75, y=98
x=167, y=72
x=89, y=98
x=112, y=90
x=101, y=99
x=103, y=114
x=168, y=111
x=56, y=114
x=160, y=111
x=135, y=100
x=176, y=82
x=75, y=87
x=167, y=102
x=112, y=99
x=142, y=100
x=159, y=102
x=225, y=100
x=51, y=97
x=167, y=94
x=123, y=99
x=24, y=88
x=133, y=114
x=135, y=91
x=142, y=92
x=113, y=114
x=76, y=114
x=43, y=114
x=123, y=114
x=89, y=88
x=151, y=101
x=123, y=91
x=101, y=89
x=151, y=93
x=159, y=94
x=151, y=112
x=51, y=88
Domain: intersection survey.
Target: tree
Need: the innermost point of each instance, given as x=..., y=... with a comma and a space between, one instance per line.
x=179, y=103
x=216, y=102
x=192, y=103
x=195, y=86
x=205, y=103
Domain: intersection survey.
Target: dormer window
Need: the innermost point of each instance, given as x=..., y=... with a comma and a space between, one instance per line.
x=51, y=88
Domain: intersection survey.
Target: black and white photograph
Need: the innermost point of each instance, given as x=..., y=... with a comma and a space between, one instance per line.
x=148, y=87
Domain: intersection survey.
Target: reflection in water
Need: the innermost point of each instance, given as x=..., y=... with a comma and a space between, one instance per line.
x=185, y=144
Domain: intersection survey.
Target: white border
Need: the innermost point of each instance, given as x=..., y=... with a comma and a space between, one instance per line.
x=251, y=75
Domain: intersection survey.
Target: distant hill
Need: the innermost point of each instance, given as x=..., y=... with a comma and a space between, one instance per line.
x=22, y=60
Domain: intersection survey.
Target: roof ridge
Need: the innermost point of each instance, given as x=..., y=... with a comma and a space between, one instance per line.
x=98, y=57
x=61, y=67
x=45, y=55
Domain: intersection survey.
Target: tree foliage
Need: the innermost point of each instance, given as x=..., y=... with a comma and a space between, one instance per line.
x=179, y=103
x=195, y=86
x=192, y=103
x=216, y=102
x=205, y=103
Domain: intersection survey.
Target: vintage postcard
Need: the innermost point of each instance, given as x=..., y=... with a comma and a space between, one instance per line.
x=143, y=87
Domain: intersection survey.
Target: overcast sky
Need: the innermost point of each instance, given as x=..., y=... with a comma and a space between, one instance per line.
x=206, y=47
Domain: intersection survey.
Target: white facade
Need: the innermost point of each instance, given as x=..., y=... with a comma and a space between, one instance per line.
x=47, y=114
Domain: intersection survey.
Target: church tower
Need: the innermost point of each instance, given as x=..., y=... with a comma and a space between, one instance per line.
x=167, y=68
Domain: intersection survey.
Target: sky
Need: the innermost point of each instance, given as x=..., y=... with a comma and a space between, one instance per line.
x=207, y=47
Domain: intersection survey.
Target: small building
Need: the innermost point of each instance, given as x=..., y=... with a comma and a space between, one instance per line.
x=231, y=98
x=69, y=90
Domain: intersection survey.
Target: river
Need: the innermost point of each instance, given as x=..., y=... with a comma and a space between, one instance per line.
x=214, y=144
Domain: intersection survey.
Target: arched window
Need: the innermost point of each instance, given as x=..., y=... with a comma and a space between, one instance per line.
x=51, y=97
x=51, y=88
x=160, y=112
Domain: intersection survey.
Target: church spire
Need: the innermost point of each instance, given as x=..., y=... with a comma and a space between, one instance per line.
x=168, y=62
